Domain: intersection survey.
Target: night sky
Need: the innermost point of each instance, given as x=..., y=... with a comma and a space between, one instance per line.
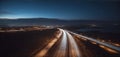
x=61, y=9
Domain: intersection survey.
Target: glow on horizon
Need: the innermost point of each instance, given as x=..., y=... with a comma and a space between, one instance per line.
x=8, y=18
x=13, y=17
x=30, y=16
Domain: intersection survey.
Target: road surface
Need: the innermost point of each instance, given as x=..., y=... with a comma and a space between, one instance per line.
x=69, y=44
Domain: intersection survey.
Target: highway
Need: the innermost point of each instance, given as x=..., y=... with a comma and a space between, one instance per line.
x=69, y=44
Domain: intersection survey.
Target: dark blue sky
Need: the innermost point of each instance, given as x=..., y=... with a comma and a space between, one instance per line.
x=62, y=9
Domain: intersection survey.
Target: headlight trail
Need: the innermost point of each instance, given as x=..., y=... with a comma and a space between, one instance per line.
x=61, y=52
x=65, y=45
x=98, y=42
x=73, y=47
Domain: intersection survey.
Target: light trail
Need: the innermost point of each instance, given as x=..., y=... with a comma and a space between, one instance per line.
x=108, y=49
x=61, y=52
x=102, y=43
x=67, y=46
x=43, y=52
x=73, y=47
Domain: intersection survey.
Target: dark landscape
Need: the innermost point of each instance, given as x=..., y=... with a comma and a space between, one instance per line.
x=26, y=41
x=59, y=28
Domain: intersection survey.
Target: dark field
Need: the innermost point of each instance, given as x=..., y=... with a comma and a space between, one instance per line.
x=24, y=44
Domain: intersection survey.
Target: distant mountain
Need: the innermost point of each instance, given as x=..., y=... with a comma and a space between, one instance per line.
x=47, y=21
x=30, y=22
